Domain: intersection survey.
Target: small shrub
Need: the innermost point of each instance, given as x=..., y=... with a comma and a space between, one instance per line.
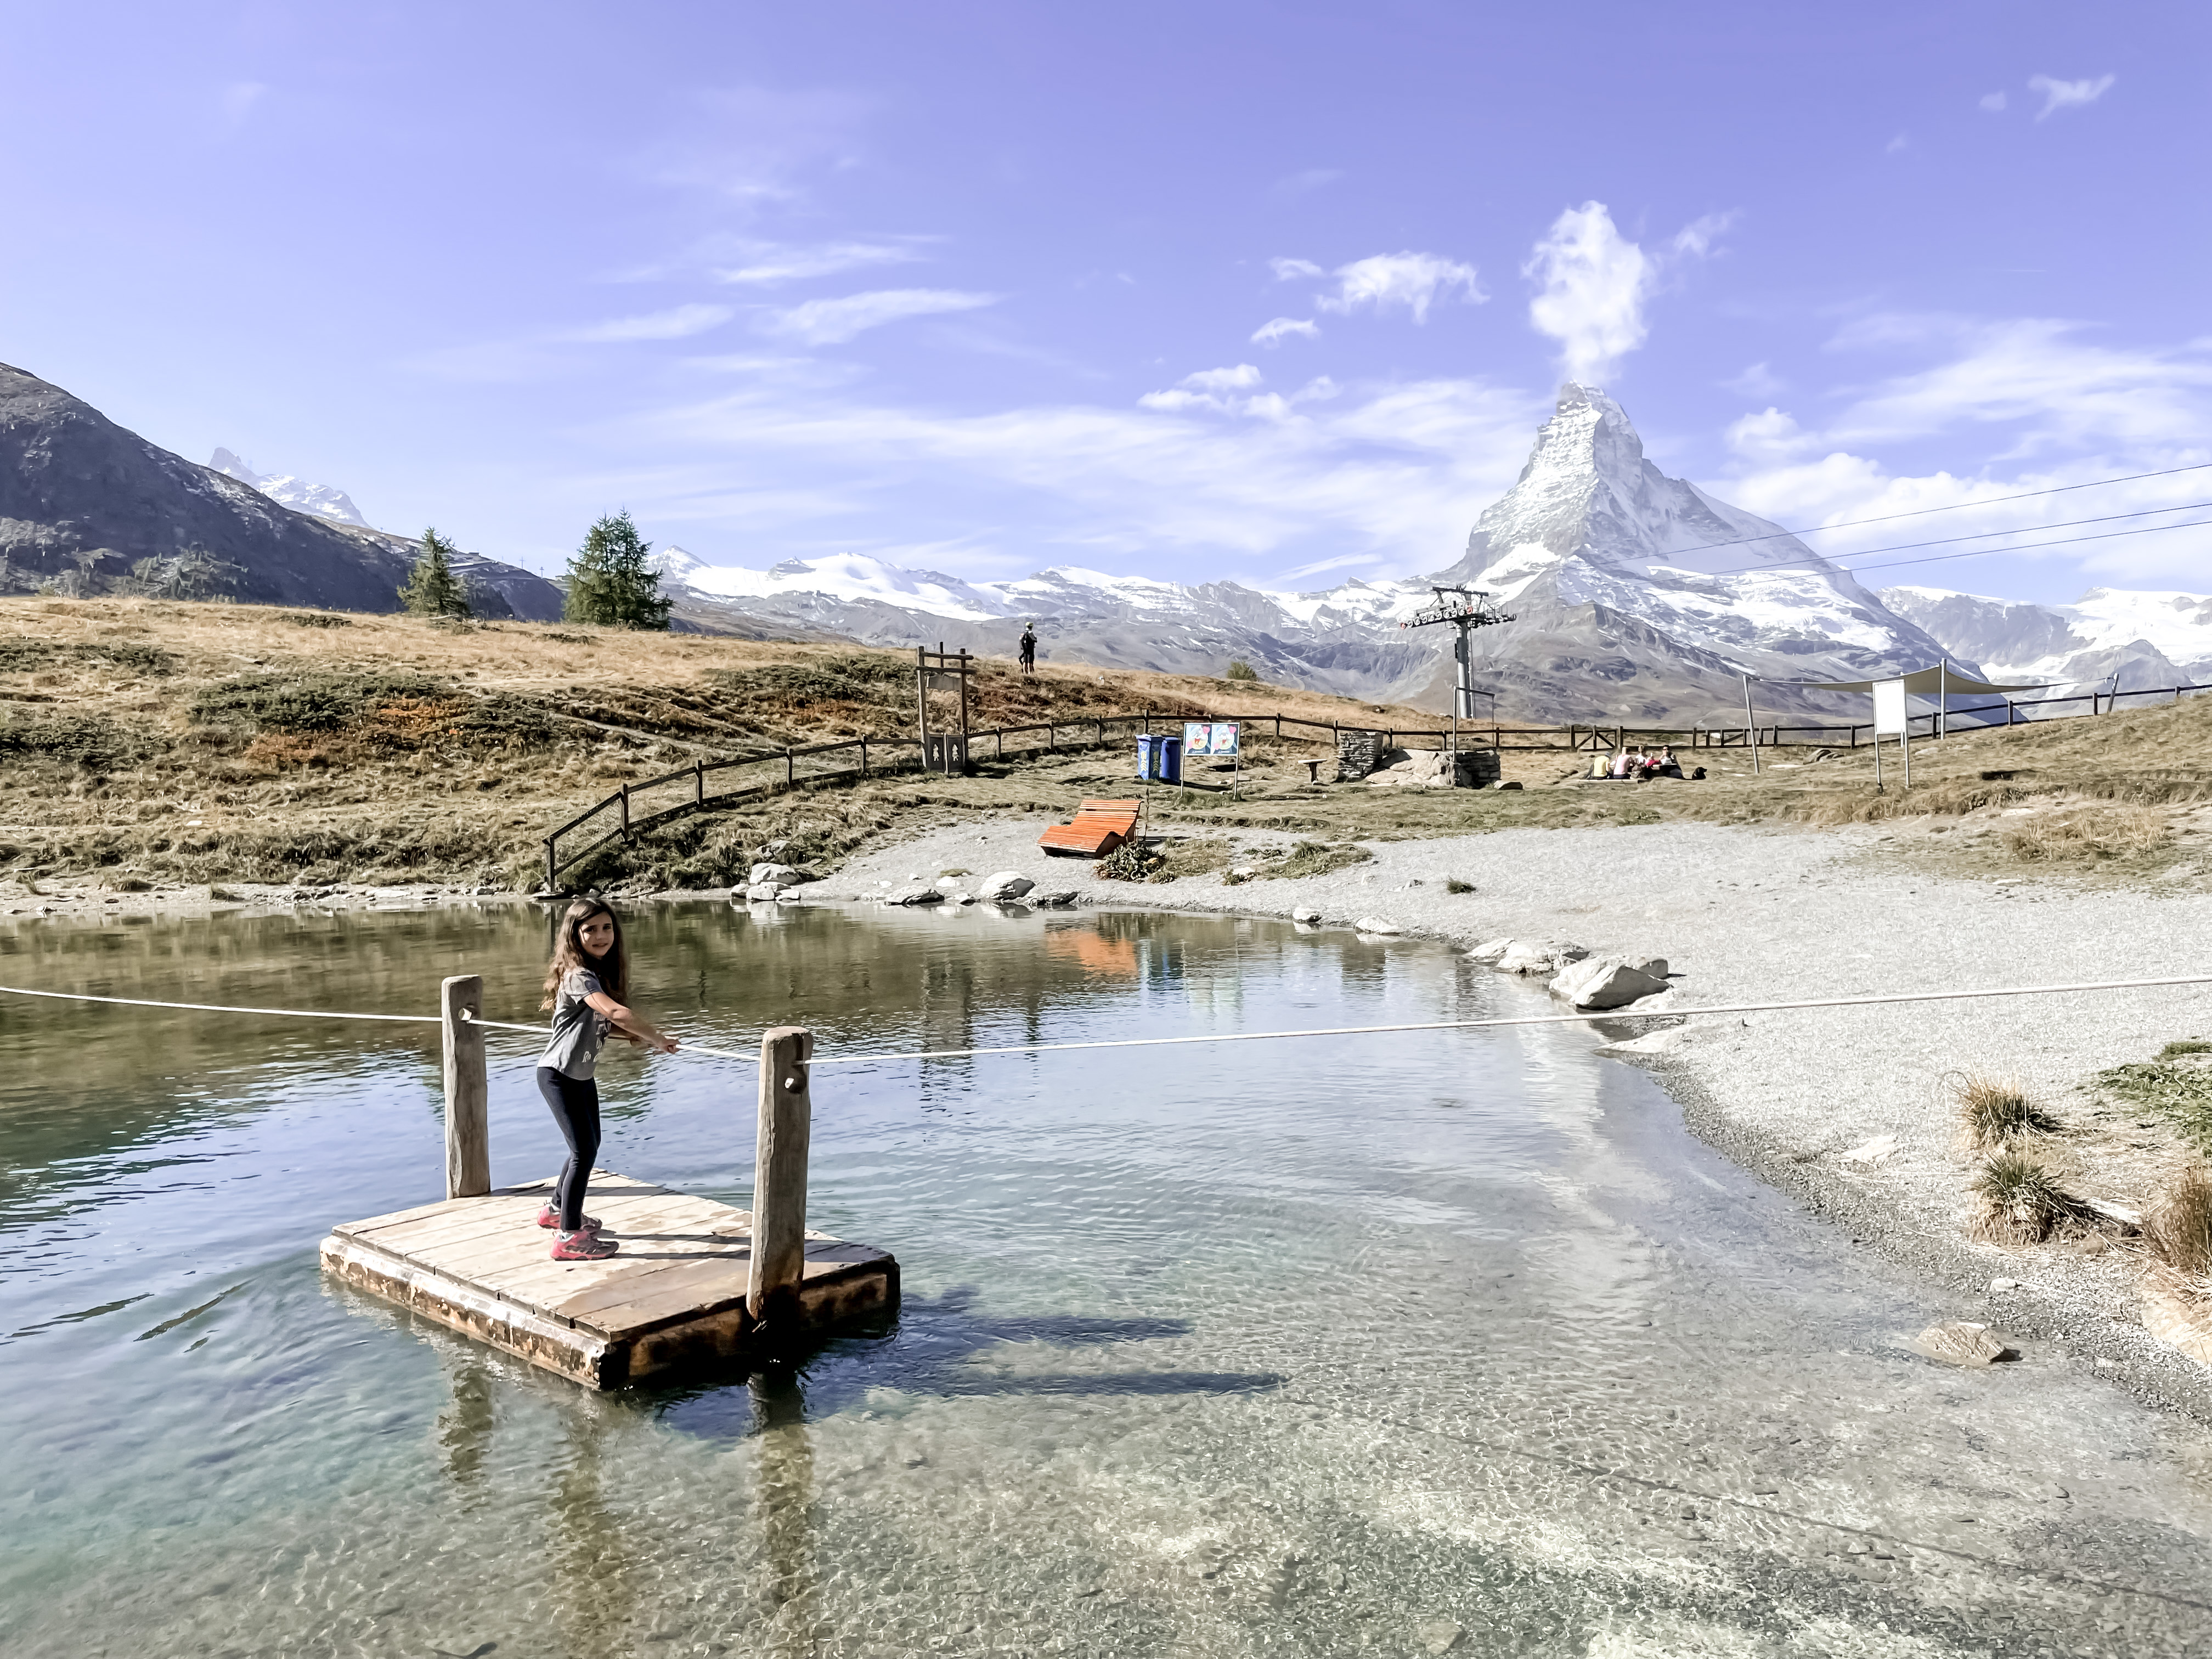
x=1313, y=857
x=2185, y=1046
x=1994, y=1112
x=1456, y=885
x=2178, y=1088
x=1127, y=862
x=23, y=656
x=2178, y=1225
x=85, y=740
x=2022, y=1201
x=2086, y=834
x=305, y=703
x=1241, y=670
x=315, y=619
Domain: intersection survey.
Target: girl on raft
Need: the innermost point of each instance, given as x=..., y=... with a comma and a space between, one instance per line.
x=584, y=988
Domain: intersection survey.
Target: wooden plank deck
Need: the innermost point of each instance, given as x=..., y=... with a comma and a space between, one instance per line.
x=673, y=1296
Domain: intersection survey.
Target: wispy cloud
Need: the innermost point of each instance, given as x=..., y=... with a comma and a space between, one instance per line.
x=239, y=98
x=1290, y=270
x=2067, y=94
x=1415, y=281
x=1993, y=103
x=768, y=263
x=1280, y=329
x=1756, y=381
x=1301, y=183
x=1902, y=142
x=677, y=323
x=833, y=322
x=1594, y=284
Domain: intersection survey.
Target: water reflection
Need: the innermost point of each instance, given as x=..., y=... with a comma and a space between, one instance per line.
x=594, y=1546
x=784, y=1498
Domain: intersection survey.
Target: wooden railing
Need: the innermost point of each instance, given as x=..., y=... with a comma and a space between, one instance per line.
x=620, y=815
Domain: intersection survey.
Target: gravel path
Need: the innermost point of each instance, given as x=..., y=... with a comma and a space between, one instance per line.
x=1750, y=914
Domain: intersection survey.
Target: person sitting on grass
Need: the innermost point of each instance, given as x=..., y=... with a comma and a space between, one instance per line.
x=1668, y=766
x=584, y=988
x=1622, y=764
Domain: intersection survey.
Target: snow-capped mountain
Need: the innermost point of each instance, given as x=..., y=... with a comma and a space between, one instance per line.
x=1635, y=595
x=2149, y=639
x=297, y=493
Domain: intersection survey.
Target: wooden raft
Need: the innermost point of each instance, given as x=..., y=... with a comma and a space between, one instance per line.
x=1100, y=826
x=674, y=1296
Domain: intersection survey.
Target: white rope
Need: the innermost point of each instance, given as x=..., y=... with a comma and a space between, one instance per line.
x=1526, y=1019
x=1213, y=1036
x=217, y=1008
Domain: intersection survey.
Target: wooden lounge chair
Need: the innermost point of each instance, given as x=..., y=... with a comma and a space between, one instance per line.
x=1100, y=826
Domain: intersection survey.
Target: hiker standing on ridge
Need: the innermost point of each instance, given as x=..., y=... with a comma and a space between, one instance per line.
x=1028, y=648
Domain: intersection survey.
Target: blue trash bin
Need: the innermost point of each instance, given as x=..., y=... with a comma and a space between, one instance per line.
x=1168, y=759
x=1145, y=759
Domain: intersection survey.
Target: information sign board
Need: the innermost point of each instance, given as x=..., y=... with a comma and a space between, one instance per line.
x=1889, y=708
x=1201, y=738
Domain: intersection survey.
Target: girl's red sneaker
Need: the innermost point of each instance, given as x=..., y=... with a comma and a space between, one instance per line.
x=550, y=1217
x=583, y=1247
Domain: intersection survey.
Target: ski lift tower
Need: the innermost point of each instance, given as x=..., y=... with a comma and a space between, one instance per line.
x=1467, y=609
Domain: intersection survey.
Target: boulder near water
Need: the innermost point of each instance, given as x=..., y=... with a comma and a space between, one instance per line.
x=774, y=875
x=1610, y=981
x=1545, y=955
x=1005, y=885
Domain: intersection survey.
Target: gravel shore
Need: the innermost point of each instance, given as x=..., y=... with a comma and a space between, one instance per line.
x=1757, y=915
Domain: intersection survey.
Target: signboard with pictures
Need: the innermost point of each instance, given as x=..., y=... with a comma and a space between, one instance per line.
x=1202, y=737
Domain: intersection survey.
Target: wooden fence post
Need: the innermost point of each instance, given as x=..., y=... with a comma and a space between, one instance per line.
x=552, y=869
x=625, y=811
x=698, y=783
x=468, y=1134
x=787, y=1117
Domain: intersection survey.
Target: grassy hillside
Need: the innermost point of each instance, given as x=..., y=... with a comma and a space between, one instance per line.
x=147, y=743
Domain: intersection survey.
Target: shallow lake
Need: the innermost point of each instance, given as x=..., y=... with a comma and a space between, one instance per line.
x=1453, y=1342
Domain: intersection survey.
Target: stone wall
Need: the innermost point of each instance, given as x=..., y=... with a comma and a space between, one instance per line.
x=1356, y=754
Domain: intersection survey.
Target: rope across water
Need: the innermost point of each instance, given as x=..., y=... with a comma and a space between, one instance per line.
x=1582, y=1019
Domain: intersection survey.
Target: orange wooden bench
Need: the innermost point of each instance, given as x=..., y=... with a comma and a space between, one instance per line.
x=1100, y=826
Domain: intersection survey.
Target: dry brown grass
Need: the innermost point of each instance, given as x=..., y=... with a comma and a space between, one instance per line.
x=2104, y=829
x=1994, y=1112
x=2022, y=1201
x=2178, y=1225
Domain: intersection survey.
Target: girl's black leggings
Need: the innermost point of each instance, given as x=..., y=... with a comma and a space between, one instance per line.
x=575, y=1104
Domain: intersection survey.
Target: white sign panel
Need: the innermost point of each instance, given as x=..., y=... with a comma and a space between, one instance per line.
x=1213, y=737
x=1889, y=708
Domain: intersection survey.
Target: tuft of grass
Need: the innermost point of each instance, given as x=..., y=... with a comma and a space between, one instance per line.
x=2184, y=1046
x=1994, y=1112
x=1188, y=858
x=1456, y=885
x=1127, y=862
x=2022, y=1202
x=89, y=741
x=314, y=701
x=2178, y=1226
x=1313, y=857
x=2178, y=1086
x=2081, y=834
x=315, y=619
x=955, y=873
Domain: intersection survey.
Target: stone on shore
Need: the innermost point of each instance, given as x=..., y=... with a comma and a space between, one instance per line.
x=1376, y=925
x=1490, y=950
x=914, y=895
x=763, y=893
x=774, y=875
x=1306, y=913
x=1005, y=885
x=1059, y=899
x=1961, y=1342
x=1609, y=981
x=1545, y=957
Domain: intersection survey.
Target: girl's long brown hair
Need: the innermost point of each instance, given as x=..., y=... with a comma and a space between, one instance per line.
x=612, y=969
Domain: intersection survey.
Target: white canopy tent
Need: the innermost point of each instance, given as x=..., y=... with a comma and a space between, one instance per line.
x=1889, y=695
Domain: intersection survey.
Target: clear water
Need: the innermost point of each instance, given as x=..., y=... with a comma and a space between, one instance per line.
x=1317, y=1348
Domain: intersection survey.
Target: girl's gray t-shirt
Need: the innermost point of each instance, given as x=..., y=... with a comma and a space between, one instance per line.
x=579, y=1029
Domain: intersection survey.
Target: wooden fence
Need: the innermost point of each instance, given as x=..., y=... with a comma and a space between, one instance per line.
x=700, y=787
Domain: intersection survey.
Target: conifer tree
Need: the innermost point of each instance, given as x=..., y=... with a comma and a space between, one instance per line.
x=610, y=583
x=432, y=589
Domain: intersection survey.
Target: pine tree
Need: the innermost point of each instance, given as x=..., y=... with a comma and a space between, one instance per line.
x=432, y=589
x=609, y=582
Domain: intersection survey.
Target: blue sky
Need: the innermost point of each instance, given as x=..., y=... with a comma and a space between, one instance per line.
x=989, y=287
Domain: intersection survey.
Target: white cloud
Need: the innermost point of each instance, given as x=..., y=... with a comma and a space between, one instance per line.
x=769, y=262
x=1993, y=103
x=1300, y=183
x=1224, y=380
x=1595, y=284
x=676, y=324
x=1282, y=328
x=1288, y=269
x=1756, y=381
x=832, y=322
x=1394, y=474
x=1901, y=141
x=2046, y=406
x=1415, y=281
x=2067, y=94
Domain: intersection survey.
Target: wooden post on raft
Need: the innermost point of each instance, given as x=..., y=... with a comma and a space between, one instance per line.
x=468, y=1130
x=787, y=1118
